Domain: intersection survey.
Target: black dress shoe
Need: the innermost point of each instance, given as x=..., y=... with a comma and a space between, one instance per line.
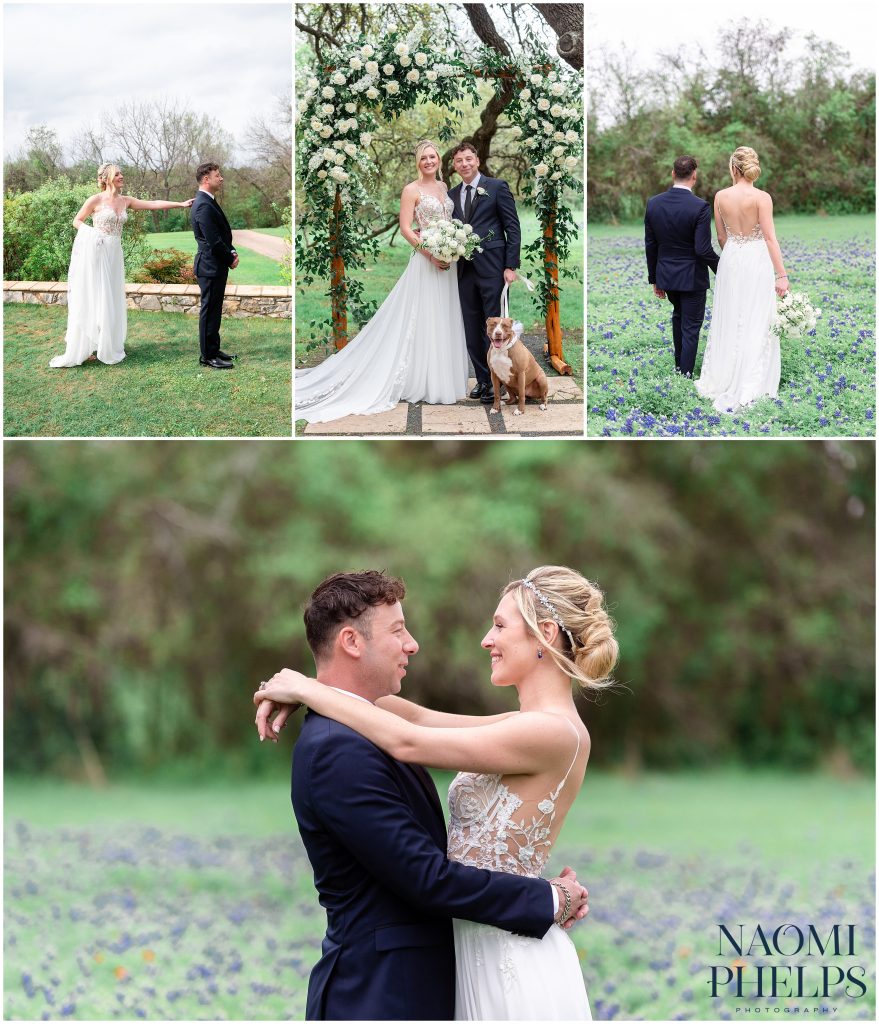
x=479, y=390
x=216, y=363
x=225, y=355
x=487, y=395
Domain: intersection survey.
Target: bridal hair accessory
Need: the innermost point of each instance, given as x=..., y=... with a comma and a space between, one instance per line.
x=550, y=607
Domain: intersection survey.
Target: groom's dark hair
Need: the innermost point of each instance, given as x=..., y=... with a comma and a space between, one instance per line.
x=343, y=598
x=464, y=145
x=684, y=167
x=203, y=170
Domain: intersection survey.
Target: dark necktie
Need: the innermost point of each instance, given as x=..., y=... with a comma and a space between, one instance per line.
x=467, y=202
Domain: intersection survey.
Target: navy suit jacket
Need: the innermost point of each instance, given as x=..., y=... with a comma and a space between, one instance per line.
x=494, y=211
x=214, y=237
x=677, y=239
x=374, y=832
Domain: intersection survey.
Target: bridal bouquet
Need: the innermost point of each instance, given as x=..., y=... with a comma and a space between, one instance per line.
x=450, y=240
x=795, y=315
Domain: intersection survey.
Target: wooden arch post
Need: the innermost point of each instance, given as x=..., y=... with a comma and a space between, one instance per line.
x=553, y=317
x=338, y=289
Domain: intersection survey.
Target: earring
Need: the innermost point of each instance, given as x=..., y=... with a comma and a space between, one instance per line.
x=539, y=652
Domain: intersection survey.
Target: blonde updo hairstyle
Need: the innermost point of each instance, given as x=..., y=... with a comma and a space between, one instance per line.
x=746, y=162
x=580, y=606
x=106, y=174
x=419, y=152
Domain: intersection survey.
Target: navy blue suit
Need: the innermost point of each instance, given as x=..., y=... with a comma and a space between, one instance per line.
x=374, y=832
x=213, y=259
x=481, y=280
x=677, y=240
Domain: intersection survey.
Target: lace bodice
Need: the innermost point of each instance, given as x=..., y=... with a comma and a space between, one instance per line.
x=755, y=235
x=108, y=221
x=488, y=827
x=429, y=209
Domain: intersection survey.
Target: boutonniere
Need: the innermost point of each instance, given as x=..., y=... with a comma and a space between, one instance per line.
x=480, y=191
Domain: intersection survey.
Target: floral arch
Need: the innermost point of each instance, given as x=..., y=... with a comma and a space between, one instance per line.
x=337, y=116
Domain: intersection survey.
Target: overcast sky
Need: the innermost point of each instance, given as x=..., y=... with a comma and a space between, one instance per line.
x=647, y=28
x=64, y=64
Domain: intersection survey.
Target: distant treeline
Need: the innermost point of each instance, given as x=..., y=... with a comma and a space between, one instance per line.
x=150, y=586
x=811, y=120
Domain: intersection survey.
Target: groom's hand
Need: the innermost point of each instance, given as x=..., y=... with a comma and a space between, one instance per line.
x=579, y=898
x=658, y=292
x=510, y=275
x=234, y=263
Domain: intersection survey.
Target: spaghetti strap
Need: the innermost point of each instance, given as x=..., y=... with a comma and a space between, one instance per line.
x=558, y=790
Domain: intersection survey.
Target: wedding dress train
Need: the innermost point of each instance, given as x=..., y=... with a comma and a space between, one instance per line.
x=412, y=350
x=501, y=976
x=743, y=358
x=97, y=318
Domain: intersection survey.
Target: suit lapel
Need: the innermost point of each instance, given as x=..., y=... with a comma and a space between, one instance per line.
x=429, y=788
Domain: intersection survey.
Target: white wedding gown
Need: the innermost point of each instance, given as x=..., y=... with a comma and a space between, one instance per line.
x=97, y=319
x=501, y=976
x=743, y=358
x=412, y=350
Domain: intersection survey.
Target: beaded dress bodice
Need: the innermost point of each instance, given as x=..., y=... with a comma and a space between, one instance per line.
x=430, y=208
x=754, y=235
x=491, y=827
x=108, y=221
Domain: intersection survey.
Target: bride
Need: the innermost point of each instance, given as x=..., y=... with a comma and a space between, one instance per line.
x=743, y=358
x=413, y=349
x=97, y=320
x=519, y=777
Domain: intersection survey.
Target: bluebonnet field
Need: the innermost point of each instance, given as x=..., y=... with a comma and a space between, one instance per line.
x=205, y=908
x=827, y=378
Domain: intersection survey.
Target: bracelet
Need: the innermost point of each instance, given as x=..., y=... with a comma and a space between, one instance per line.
x=778, y=277
x=567, y=909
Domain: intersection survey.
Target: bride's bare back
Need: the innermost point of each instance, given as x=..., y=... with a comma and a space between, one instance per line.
x=743, y=209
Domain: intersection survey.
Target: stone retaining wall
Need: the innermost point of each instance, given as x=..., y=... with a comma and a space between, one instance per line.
x=242, y=300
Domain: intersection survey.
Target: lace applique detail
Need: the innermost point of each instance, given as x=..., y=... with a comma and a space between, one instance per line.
x=429, y=209
x=483, y=833
x=108, y=221
x=755, y=234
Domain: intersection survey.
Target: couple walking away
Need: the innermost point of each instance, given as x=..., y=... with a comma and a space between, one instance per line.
x=422, y=925
x=97, y=319
x=415, y=348
x=743, y=360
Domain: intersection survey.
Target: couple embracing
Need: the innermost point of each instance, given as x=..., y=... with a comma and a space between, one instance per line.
x=416, y=347
x=422, y=925
x=743, y=360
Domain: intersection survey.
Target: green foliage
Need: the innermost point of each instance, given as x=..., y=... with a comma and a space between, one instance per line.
x=166, y=266
x=740, y=578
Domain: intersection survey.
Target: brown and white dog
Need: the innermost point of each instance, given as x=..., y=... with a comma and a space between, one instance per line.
x=512, y=364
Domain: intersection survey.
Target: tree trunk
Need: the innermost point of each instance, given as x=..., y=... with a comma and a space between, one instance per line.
x=566, y=20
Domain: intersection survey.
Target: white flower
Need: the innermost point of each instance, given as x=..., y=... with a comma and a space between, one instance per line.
x=321, y=174
x=365, y=139
x=371, y=67
x=480, y=191
x=572, y=163
x=327, y=92
x=316, y=160
x=516, y=132
x=547, y=128
x=313, y=83
x=555, y=110
x=351, y=108
x=366, y=51
x=337, y=174
x=413, y=75
x=431, y=76
x=421, y=59
x=401, y=50
x=558, y=150
x=543, y=103
x=405, y=62
x=555, y=175
x=392, y=87
x=388, y=69
x=540, y=170
x=558, y=137
x=350, y=149
x=532, y=123
x=501, y=847
x=545, y=806
x=316, y=124
x=571, y=136
x=329, y=154
x=340, y=158
x=557, y=89
x=525, y=94
x=327, y=109
x=356, y=63
x=372, y=93
x=338, y=78
x=536, y=79
x=326, y=131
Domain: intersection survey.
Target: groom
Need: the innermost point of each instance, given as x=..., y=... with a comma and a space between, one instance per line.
x=677, y=239
x=487, y=204
x=213, y=261
x=374, y=831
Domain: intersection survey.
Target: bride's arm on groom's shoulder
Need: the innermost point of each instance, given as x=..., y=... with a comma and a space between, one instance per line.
x=86, y=210
x=419, y=715
x=157, y=204
x=767, y=226
x=719, y=226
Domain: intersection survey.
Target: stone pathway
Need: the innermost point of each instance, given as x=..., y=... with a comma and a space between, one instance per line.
x=564, y=416
x=266, y=245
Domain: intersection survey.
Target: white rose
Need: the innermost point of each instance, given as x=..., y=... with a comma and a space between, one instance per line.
x=421, y=59
x=525, y=94
x=371, y=67
x=572, y=163
x=365, y=139
x=327, y=92
x=351, y=108
x=532, y=123
x=543, y=103
x=339, y=175
x=413, y=75
x=356, y=63
x=571, y=136
x=536, y=79
x=557, y=89
x=372, y=93
x=338, y=78
x=405, y=62
x=388, y=69
x=316, y=124
x=392, y=87
x=350, y=149
x=516, y=132
x=313, y=83
x=556, y=110
x=401, y=50
x=555, y=175
x=329, y=154
x=366, y=51
x=321, y=174
x=540, y=170
x=326, y=131
x=547, y=128
x=558, y=150
x=431, y=76
x=531, y=143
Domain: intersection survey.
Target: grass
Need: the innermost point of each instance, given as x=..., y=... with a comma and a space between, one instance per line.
x=252, y=267
x=827, y=379
x=312, y=302
x=159, y=390
x=197, y=902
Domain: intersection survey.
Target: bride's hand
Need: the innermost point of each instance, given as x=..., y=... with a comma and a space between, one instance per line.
x=271, y=719
x=579, y=898
x=187, y=203
x=439, y=263
x=286, y=687
x=782, y=285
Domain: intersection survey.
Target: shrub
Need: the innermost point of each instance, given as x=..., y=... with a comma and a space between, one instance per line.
x=166, y=266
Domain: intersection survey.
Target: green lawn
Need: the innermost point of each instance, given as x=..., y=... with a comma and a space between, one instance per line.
x=197, y=902
x=159, y=390
x=252, y=267
x=828, y=378
x=312, y=302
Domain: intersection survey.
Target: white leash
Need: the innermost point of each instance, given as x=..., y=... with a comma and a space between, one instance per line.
x=505, y=305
